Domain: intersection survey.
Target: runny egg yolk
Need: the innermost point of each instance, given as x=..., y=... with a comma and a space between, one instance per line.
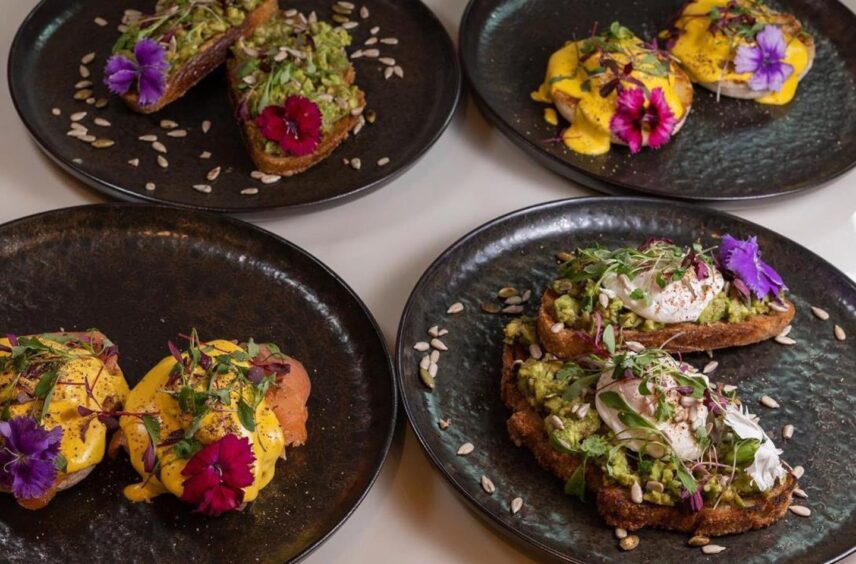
x=149, y=396
x=707, y=57
x=84, y=439
x=567, y=75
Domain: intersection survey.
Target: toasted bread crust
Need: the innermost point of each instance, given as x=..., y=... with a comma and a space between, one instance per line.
x=678, y=337
x=526, y=428
x=211, y=55
x=289, y=165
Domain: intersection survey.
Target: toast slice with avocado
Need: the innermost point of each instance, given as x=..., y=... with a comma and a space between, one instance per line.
x=562, y=443
x=189, y=40
x=293, y=88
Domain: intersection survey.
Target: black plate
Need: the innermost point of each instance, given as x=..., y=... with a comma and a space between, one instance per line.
x=412, y=112
x=731, y=150
x=142, y=274
x=813, y=380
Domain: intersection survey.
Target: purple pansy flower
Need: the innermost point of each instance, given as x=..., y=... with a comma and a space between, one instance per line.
x=743, y=260
x=148, y=70
x=27, y=455
x=766, y=61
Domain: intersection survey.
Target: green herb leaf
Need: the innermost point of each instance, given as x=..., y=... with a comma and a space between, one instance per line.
x=46, y=383
x=60, y=462
x=684, y=476
x=609, y=339
x=247, y=416
x=595, y=446
x=576, y=484
x=574, y=391
x=152, y=426
x=252, y=349
x=638, y=294
x=186, y=448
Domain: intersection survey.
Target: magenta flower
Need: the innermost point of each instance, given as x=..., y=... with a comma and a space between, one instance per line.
x=743, y=260
x=148, y=70
x=695, y=501
x=766, y=61
x=217, y=474
x=27, y=454
x=638, y=118
x=296, y=125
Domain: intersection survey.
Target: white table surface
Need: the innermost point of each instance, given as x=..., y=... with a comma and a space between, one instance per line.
x=380, y=244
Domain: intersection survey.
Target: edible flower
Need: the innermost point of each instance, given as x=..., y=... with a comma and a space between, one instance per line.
x=743, y=260
x=217, y=474
x=148, y=70
x=296, y=125
x=696, y=502
x=766, y=468
x=27, y=457
x=638, y=115
x=765, y=61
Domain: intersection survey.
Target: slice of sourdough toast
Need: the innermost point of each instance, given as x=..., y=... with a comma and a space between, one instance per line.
x=674, y=338
x=211, y=55
x=526, y=429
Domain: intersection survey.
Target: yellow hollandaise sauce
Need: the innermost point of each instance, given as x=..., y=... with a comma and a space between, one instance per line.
x=152, y=395
x=84, y=438
x=708, y=57
x=571, y=74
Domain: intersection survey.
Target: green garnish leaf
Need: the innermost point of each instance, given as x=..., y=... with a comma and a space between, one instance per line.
x=576, y=389
x=60, y=462
x=186, y=448
x=609, y=339
x=46, y=383
x=152, y=426
x=252, y=348
x=595, y=446
x=247, y=416
x=576, y=484
x=638, y=294
x=684, y=476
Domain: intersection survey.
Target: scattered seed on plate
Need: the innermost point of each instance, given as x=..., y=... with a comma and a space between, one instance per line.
x=257, y=174
x=787, y=432
x=698, y=540
x=767, y=401
x=99, y=21
x=101, y=103
x=83, y=84
x=439, y=345
x=388, y=61
x=252, y=191
x=56, y=112
x=213, y=174
x=514, y=300
x=77, y=160
x=84, y=71
x=710, y=367
x=90, y=101
x=456, y=307
x=374, y=30
x=88, y=138
x=204, y=188
x=168, y=124
x=421, y=346
x=370, y=41
x=513, y=309
x=364, y=13
x=799, y=492
x=371, y=116
x=350, y=25
x=432, y=370
x=776, y=306
x=388, y=72
x=728, y=388
x=103, y=143
x=150, y=186
x=787, y=341
x=425, y=363
x=839, y=333
x=178, y=133
x=81, y=95
x=426, y=378
x=516, y=505
x=399, y=72
x=383, y=162
x=444, y=424
x=443, y=332
x=87, y=58
x=134, y=162
x=487, y=485
x=148, y=138
x=491, y=308
x=628, y=543
x=159, y=147
x=466, y=449
x=342, y=10
x=712, y=549
x=75, y=133
x=340, y=19
x=786, y=331
x=798, y=472
x=205, y=155
x=371, y=53
x=357, y=54
x=356, y=163
x=620, y=533
x=162, y=162
x=800, y=510
x=820, y=313
x=434, y=331
x=102, y=122
x=389, y=41
x=270, y=178
x=206, y=126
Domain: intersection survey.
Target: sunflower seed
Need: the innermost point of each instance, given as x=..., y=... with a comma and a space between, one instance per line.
x=388, y=72
x=432, y=370
x=356, y=164
x=799, y=492
x=56, y=111
x=371, y=116
x=820, y=313
x=122, y=28
x=90, y=101
x=434, y=331
x=340, y=19
x=712, y=549
x=75, y=133
x=399, y=72
x=800, y=510
x=583, y=410
x=487, y=485
x=134, y=162
x=350, y=25
x=634, y=346
x=557, y=327
x=786, y=331
x=82, y=94
x=389, y=41
x=83, y=84
x=425, y=363
x=88, y=138
x=177, y=133
x=168, y=124
x=490, y=308
x=787, y=432
x=629, y=543
x=427, y=379
x=364, y=13
x=204, y=188
x=87, y=58
x=148, y=138
x=290, y=13
x=514, y=300
x=798, y=472
x=342, y=10
x=357, y=54
x=257, y=174
x=435, y=356
x=77, y=161
x=421, y=346
x=466, y=449
x=205, y=155
x=206, y=126
x=84, y=71
x=654, y=486
x=249, y=79
x=388, y=61
x=456, y=307
x=728, y=388
x=839, y=333
x=100, y=21
x=162, y=162
x=516, y=505
x=150, y=186
x=213, y=174
x=635, y=492
x=513, y=309
x=556, y=422
x=698, y=540
x=620, y=533
x=781, y=308
x=371, y=53
x=370, y=41
x=159, y=147
x=374, y=30
x=345, y=4
x=102, y=122
x=710, y=367
x=444, y=424
x=103, y=143
x=535, y=351
x=439, y=345
x=787, y=341
x=767, y=401
x=270, y=178
x=101, y=103
x=383, y=161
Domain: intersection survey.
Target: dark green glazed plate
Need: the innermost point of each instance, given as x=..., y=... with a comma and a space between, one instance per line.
x=732, y=150
x=813, y=381
x=142, y=274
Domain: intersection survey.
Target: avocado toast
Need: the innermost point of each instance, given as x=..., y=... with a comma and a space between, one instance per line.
x=659, y=294
x=293, y=88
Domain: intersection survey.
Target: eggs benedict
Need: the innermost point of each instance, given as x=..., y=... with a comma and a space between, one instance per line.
x=208, y=424
x=614, y=88
x=741, y=49
x=60, y=395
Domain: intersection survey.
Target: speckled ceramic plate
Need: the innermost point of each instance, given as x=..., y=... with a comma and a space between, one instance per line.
x=142, y=274
x=813, y=381
x=412, y=112
x=730, y=150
